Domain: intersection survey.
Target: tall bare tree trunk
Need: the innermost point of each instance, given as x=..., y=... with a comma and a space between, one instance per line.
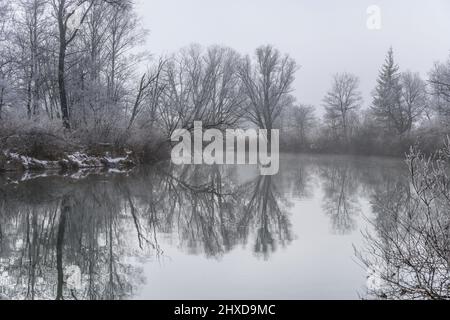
x=61, y=77
x=65, y=208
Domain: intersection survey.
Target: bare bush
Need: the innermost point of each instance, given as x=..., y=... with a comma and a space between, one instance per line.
x=409, y=258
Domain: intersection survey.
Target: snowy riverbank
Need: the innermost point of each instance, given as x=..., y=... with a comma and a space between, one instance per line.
x=13, y=162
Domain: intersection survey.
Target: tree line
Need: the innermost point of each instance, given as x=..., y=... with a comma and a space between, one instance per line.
x=72, y=74
x=405, y=110
x=73, y=69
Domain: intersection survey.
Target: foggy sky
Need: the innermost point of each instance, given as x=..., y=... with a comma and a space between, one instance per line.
x=324, y=36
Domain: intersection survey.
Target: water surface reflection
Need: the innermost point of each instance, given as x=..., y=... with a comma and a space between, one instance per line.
x=193, y=232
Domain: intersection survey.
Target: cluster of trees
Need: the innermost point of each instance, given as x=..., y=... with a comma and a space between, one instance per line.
x=72, y=69
x=74, y=66
x=406, y=110
x=67, y=63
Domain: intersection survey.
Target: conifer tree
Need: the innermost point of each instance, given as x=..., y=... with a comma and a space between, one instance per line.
x=387, y=104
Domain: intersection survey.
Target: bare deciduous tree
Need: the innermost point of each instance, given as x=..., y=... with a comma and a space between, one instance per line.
x=149, y=94
x=5, y=12
x=341, y=100
x=298, y=123
x=440, y=89
x=70, y=15
x=201, y=86
x=267, y=85
x=414, y=97
x=29, y=39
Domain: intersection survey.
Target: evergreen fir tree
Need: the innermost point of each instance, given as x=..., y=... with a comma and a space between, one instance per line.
x=387, y=104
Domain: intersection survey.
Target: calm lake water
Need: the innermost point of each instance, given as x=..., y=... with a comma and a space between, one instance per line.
x=194, y=232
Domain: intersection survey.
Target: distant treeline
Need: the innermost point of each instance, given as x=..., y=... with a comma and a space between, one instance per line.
x=405, y=111
x=71, y=77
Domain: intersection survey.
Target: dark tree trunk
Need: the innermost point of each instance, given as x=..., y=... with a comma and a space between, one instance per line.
x=65, y=209
x=29, y=98
x=62, y=85
x=62, y=66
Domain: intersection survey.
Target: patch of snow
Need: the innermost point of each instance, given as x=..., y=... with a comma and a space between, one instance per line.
x=116, y=171
x=374, y=280
x=4, y=278
x=84, y=161
x=115, y=160
x=73, y=277
x=19, y=244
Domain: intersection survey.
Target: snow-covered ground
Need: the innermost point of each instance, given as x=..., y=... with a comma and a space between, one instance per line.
x=10, y=161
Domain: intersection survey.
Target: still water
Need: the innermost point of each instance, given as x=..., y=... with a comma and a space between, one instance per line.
x=194, y=232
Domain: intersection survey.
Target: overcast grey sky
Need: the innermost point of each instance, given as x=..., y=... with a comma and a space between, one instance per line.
x=324, y=36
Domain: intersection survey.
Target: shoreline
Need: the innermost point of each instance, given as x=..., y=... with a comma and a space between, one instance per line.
x=11, y=162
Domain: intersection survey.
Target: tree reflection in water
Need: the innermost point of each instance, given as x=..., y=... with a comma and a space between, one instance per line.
x=89, y=238
x=67, y=240
x=263, y=212
x=340, y=197
x=85, y=239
